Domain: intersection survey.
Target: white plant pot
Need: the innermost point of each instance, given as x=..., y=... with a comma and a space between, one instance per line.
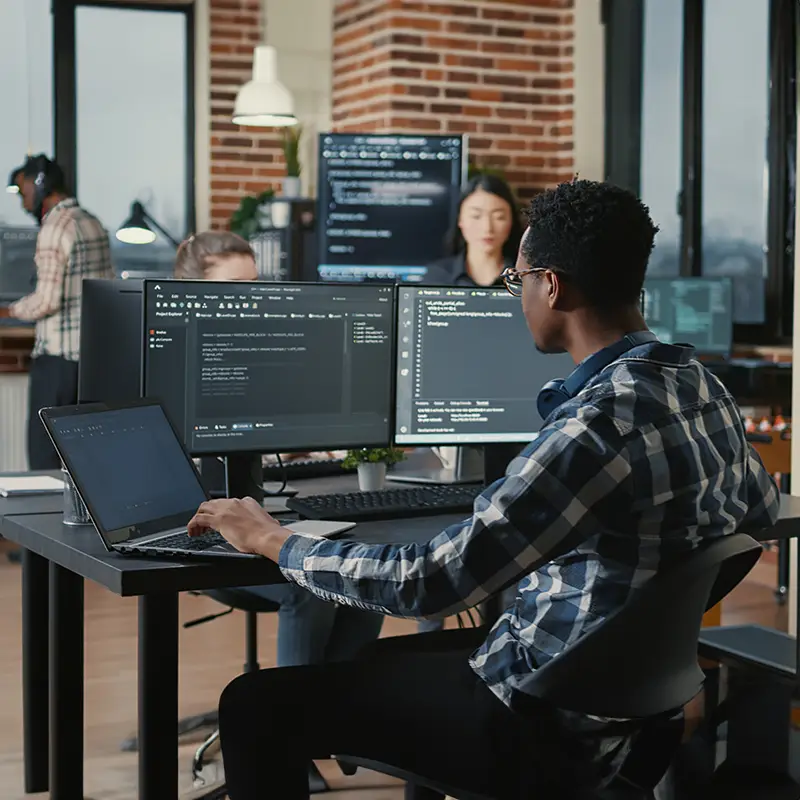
x=291, y=186
x=371, y=476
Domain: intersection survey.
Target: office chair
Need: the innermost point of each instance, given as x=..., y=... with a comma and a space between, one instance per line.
x=237, y=600
x=640, y=663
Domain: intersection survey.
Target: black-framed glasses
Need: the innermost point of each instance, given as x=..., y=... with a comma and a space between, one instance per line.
x=512, y=278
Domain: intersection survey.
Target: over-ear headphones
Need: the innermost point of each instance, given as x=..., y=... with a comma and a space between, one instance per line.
x=47, y=177
x=41, y=167
x=556, y=392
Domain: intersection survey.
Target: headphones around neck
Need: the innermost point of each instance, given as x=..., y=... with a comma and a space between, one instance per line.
x=556, y=392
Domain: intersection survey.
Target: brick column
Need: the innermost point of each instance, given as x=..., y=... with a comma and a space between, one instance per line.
x=244, y=160
x=500, y=71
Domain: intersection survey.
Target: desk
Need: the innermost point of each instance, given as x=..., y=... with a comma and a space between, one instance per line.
x=68, y=555
x=77, y=553
x=35, y=616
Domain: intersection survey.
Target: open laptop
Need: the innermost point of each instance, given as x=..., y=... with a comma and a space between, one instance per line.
x=139, y=484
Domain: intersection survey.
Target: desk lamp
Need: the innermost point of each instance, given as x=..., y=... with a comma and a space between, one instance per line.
x=136, y=229
x=13, y=186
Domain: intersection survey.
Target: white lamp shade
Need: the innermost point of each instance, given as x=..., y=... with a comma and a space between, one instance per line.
x=136, y=235
x=264, y=101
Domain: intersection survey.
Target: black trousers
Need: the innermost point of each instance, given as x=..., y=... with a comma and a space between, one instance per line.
x=53, y=381
x=416, y=705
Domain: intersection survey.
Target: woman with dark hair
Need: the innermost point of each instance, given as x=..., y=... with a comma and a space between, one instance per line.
x=483, y=243
x=485, y=239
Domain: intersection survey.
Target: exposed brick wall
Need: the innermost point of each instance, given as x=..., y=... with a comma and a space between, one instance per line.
x=244, y=160
x=500, y=71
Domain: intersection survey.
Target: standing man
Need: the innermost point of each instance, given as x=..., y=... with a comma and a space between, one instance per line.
x=72, y=245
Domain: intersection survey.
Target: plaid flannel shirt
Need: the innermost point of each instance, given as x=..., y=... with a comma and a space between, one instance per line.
x=649, y=459
x=71, y=245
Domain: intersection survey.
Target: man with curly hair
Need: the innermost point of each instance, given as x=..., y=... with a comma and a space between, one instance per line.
x=641, y=457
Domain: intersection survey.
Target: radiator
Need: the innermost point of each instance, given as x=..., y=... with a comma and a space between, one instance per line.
x=13, y=418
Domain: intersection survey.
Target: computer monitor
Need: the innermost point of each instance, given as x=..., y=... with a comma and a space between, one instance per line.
x=271, y=367
x=697, y=311
x=468, y=371
x=110, y=355
x=17, y=264
x=386, y=203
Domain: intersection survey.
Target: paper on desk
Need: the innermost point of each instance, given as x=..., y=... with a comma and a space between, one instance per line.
x=318, y=528
x=29, y=484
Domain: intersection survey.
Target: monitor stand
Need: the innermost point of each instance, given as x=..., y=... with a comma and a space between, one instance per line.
x=424, y=466
x=212, y=475
x=244, y=476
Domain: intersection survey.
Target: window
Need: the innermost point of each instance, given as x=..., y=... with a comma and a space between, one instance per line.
x=124, y=119
x=660, y=147
x=131, y=123
x=27, y=97
x=701, y=107
x=735, y=128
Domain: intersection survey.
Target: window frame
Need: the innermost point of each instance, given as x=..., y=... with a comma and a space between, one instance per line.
x=65, y=135
x=624, y=41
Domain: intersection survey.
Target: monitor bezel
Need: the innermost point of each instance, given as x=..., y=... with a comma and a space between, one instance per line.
x=724, y=279
x=300, y=448
x=463, y=137
x=457, y=440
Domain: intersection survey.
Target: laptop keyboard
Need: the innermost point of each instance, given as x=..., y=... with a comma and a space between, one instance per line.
x=183, y=541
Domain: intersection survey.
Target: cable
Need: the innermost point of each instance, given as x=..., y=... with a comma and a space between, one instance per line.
x=285, y=473
x=471, y=618
x=28, y=50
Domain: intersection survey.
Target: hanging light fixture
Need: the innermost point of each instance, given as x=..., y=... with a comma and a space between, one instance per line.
x=264, y=101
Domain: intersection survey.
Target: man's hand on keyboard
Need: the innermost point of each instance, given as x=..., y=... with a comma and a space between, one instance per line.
x=243, y=523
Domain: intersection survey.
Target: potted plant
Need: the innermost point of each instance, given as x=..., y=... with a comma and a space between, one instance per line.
x=371, y=465
x=291, y=155
x=245, y=220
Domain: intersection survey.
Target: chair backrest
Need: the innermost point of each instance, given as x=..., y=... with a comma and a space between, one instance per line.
x=642, y=660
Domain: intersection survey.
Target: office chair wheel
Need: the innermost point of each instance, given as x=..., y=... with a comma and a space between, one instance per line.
x=781, y=595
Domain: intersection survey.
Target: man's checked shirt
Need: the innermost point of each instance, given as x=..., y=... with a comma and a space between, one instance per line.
x=72, y=245
x=648, y=460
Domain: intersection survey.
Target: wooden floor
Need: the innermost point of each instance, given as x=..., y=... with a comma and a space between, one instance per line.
x=111, y=679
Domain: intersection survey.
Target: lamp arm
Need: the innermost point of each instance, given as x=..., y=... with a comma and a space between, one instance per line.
x=166, y=234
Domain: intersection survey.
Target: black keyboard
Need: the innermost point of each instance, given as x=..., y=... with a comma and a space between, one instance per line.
x=200, y=542
x=186, y=542
x=418, y=501
x=307, y=468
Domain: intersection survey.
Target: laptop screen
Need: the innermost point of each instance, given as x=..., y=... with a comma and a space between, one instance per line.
x=130, y=469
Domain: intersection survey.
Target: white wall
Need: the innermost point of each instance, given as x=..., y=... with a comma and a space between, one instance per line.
x=589, y=90
x=302, y=33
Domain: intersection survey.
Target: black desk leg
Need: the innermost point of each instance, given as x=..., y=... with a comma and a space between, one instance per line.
x=158, y=696
x=35, y=689
x=782, y=592
x=66, y=684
